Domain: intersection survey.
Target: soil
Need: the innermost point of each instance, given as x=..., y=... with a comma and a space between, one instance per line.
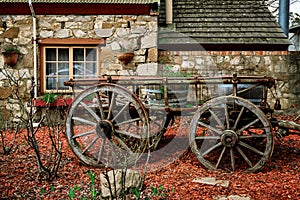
x=278, y=179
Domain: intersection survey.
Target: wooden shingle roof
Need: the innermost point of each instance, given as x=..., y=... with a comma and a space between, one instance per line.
x=221, y=25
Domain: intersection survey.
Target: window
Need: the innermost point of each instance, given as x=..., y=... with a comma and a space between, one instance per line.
x=61, y=63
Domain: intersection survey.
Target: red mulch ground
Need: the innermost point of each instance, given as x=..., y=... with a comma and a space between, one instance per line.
x=279, y=179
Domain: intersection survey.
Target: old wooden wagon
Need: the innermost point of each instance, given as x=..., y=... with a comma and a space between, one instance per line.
x=114, y=119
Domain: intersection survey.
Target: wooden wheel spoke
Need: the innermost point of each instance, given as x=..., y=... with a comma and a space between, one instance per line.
x=244, y=156
x=129, y=134
x=238, y=118
x=216, y=118
x=207, y=137
x=209, y=127
x=247, y=126
x=220, y=157
x=118, y=114
x=99, y=101
x=101, y=150
x=90, y=145
x=85, y=121
x=84, y=134
x=253, y=136
x=91, y=112
x=251, y=148
x=211, y=149
x=123, y=145
x=128, y=121
x=227, y=116
x=232, y=159
x=111, y=104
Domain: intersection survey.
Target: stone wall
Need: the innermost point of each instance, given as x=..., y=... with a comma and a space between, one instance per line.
x=283, y=66
x=121, y=33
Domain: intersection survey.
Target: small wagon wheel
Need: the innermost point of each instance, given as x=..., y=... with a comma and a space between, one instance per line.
x=231, y=133
x=107, y=125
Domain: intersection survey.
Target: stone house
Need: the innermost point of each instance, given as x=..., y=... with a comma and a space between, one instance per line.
x=224, y=37
x=75, y=39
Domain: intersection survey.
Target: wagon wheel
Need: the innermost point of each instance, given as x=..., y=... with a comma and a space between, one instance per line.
x=230, y=132
x=107, y=126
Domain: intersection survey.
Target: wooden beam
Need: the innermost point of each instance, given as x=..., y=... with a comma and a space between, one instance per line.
x=71, y=41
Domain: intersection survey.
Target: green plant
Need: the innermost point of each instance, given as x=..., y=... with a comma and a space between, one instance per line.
x=11, y=49
x=169, y=71
x=160, y=191
x=42, y=191
x=71, y=193
x=136, y=192
x=49, y=98
x=73, y=190
x=93, y=188
x=154, y=190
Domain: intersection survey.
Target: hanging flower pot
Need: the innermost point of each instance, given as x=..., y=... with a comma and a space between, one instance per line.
x=125, y=57
x=10, y=58
x=10, y=55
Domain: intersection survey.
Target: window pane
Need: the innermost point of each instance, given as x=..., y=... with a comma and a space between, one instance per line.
x=50, y=83
x=78, y=69
x=50, y=54
x=50, y=69
x=63, y=69
x=91, y=54
x=78, y=54
x=63, y=54
x=61, y=85
x=91, y=69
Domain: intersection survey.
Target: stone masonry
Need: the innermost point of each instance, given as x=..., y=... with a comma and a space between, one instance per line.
x=283, y=66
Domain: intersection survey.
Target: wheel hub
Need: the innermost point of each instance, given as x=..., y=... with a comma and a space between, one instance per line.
x=229, y=138
x=105, y=127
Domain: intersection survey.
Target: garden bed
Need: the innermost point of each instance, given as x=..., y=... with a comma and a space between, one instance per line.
x=279, y=179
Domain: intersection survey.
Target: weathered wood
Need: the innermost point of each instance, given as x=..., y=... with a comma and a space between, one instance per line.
x=289, y=125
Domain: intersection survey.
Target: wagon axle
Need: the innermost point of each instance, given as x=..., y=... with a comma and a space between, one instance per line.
x=229, y=138
x=106, y=127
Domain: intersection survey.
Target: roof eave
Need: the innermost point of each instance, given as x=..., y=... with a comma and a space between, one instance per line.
x=223, y=47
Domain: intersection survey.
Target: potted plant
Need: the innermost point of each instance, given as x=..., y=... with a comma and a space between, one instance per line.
x=10, y=55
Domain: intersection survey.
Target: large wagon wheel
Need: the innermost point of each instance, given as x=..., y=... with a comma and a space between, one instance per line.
x=231, y=133
x=107, y=125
